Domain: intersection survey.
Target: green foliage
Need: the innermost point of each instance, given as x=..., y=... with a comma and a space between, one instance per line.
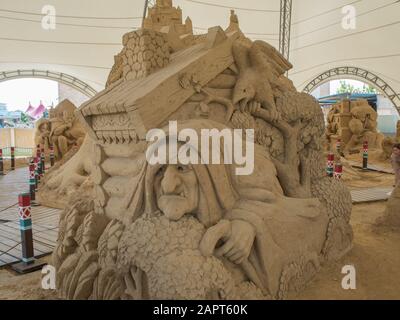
x=25, y=119
x=346, y=87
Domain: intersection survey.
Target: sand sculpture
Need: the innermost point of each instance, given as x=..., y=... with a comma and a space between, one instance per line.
x=66, y=134
x=392, y=214
x=353, y=122
x=62, y=130
x=200, y=231
x=388, y=142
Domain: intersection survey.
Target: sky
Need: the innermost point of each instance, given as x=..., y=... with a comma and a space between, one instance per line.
x=19, y=92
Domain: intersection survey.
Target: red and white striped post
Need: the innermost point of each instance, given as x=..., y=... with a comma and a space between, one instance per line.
x=51, y=155
x=37, y=176
x=339, y=146
x=32, y=181
x=39, y=162
x=365, y=155
x=338, y=171
x=1, y=163
x=28, y=263
x=43, y=159
x=330, y=164
x=25, y=226
x=12, y=158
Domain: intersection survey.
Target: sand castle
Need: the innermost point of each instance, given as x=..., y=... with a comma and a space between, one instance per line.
x=353, y=122
x=199, y=231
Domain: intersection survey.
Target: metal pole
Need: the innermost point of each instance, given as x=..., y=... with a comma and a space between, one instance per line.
x=146, y=5
x=285, y=27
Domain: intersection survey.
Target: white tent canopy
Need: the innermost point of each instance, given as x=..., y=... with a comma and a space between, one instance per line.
x=88, y=34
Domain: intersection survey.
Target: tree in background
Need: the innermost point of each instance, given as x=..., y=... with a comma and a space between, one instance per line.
x=346, y=87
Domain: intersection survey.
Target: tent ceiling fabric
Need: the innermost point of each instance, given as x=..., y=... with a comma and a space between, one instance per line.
x=89, y=33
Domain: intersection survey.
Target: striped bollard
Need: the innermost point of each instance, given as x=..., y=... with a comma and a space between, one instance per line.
x=43, y=160
x=51, y=155
x=32, y=181
x=38, y=156
x=37, y=176
x=330, y=164
x=1, y=163
x=29, y=263
x=339, y=146
x=12, y=158
x=338, y=171
x=365, y=155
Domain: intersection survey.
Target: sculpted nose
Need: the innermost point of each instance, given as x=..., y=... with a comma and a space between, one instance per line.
x=171, y=181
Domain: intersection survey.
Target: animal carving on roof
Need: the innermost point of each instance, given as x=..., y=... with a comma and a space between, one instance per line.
x=260, y=68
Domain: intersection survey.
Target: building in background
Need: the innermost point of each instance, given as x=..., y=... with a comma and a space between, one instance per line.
x=9, y=118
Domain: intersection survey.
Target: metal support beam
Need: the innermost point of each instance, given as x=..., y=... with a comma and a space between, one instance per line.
x=356, y=74
x=284, y=27
x=45, y=74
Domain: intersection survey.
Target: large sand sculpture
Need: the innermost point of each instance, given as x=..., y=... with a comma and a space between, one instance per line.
x=353, y=122
x=200, y=231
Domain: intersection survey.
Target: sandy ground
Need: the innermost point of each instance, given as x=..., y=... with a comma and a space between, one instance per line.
x=375, y=256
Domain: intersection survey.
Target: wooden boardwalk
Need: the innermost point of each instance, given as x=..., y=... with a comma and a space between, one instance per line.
x=370, y=194
x=44, y=220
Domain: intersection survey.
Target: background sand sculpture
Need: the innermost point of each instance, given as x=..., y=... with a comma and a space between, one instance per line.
x=62, y=130
x=353, y=122
x=140, y=236
x=65, y=132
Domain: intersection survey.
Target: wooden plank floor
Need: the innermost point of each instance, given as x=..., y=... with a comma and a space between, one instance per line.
x=370, y=194
x=44, y=220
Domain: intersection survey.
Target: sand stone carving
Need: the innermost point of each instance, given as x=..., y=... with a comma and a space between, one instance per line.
x=62, y=130
x=353, y=122
x=65, y=132
x=200, y=231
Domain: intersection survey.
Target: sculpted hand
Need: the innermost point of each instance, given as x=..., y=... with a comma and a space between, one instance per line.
x=274, y=114
x=238, y=245
x=253, y=107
